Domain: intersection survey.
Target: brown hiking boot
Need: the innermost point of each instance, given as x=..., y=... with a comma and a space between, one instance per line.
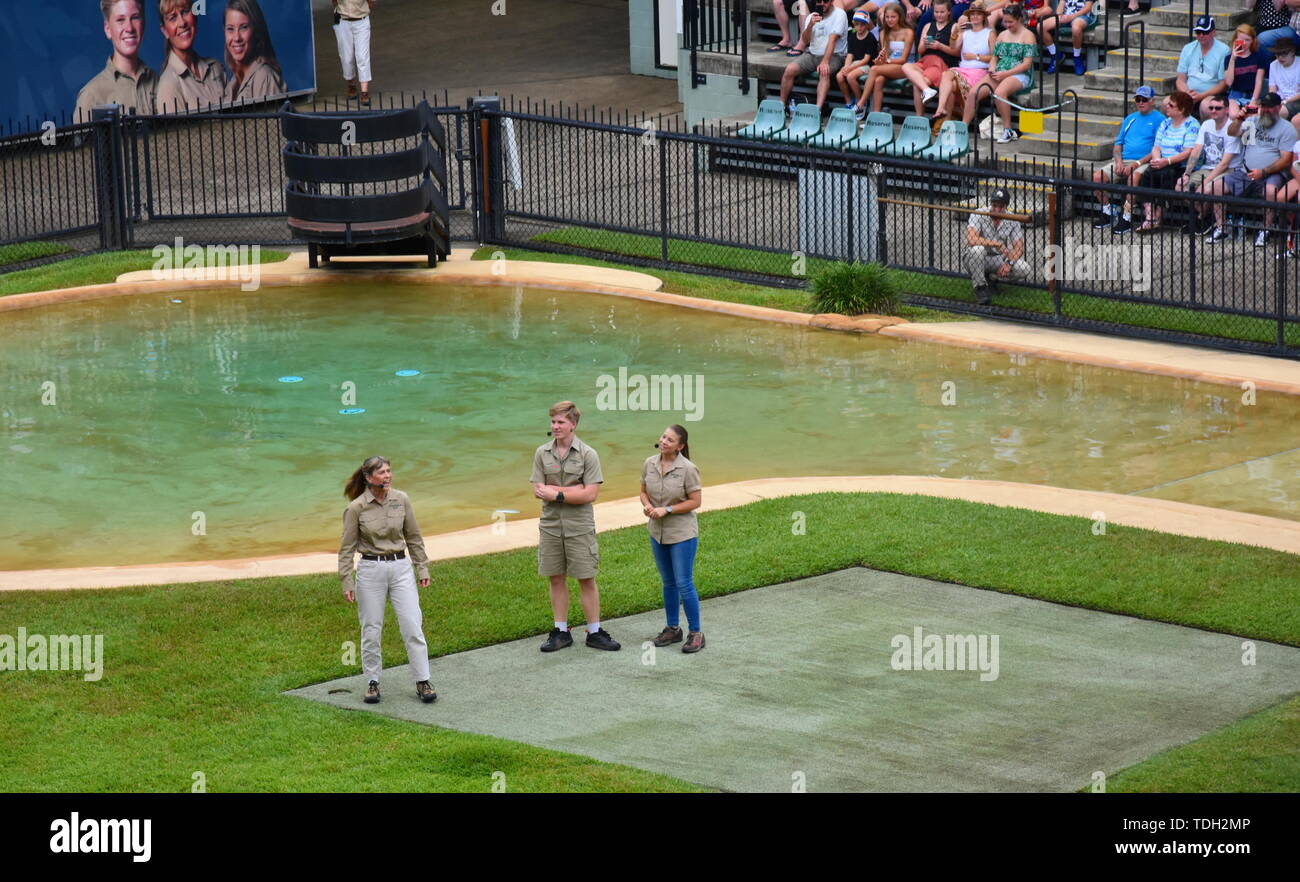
x=425, y=691
x=352, y=88
x=694, y=642
x=668, y=636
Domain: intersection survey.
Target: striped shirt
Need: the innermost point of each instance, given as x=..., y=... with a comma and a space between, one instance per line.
x=1173, y=139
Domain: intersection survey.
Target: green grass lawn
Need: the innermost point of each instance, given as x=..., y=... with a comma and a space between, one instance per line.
x=193, y=673
x=1200, y=322
x=92, y=269
x=21, y=251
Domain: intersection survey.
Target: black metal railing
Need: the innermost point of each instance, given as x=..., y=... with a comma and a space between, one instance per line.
x=720, y=26
x=1142, y=53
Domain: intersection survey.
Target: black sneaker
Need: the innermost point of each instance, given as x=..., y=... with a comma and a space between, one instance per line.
x=425, y=691
x=372, y=693
x=983, y=295
x=558, y=640
x=1207, y=226
x=1103, y=220
x=1217, y=236
x=1125, y=225
x=602, y=640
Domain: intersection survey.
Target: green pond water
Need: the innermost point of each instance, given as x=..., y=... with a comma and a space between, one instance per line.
x=125, y=417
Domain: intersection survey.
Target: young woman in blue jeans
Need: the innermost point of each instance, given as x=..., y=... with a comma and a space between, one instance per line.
x=670, y=493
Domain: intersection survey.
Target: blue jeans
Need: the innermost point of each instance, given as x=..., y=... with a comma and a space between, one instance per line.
x=676, y=563
x=1268, y=38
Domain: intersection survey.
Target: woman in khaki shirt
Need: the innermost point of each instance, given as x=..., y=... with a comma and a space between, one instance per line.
x=380, y=523
x=670, y=493
x=254, y=70
x=188, y=80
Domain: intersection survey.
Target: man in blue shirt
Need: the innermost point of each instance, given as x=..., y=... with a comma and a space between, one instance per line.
x=1202, y=64
x=1137, y=135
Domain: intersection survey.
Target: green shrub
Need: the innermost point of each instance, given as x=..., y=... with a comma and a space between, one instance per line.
x=854, y=288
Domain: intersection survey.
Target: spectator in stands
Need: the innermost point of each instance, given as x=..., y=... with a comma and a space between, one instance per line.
x=974, y=41
x=1014, y=52
x=188, y=80
x=1078, y=15
x=1169, y=154
x=1268, y=148
x=254, y=70
x=956, y=9
x=1291, y=193
x=125, y=79
x=791, y=15
x=995, y=246
x=895, y=47
x=1137, y=137
x=1247, y=65
x=1214, y=153
x=826, y=35
x=1284, y=76
x=938, y=53
x=1273, y=21
x=1202, y=64
x=862, y=50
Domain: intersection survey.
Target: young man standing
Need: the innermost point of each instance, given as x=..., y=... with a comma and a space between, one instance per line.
x=125, y=79
x=566, y=477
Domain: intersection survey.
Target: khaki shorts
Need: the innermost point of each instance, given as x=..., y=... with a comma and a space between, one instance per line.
x=808, y=63
x=574, y=556
x=1108, y=170
x=1196, y=180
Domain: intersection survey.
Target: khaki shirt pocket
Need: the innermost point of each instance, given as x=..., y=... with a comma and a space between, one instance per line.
x=373, y=522
x=572, y=473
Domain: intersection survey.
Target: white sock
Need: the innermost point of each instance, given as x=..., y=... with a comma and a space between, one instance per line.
x=563, y=626
x=1108, y=209
x=1051, y=50
x=593, y=627
x=1128, y=216
x=1076, y=52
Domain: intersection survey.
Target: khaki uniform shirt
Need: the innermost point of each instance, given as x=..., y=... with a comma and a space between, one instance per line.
x=1008, y=232
x=179, y=89
x=680, y=481
x=261, y=81
x=372, y=527
x=353, y=9
x=111, y=86
x=580, y=466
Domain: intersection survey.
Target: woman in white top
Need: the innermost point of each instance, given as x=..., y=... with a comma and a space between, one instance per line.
x=976, y=41
x=895, y=47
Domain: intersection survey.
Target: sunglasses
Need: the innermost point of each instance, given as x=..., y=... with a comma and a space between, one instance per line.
x=1142, y=100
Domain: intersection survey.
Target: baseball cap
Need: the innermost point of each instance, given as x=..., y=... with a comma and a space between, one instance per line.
x=1000, y=195
x=1270, y=99
x=862, y=16
x=1144, y=92
x=1203, y=25
x=1282, y=46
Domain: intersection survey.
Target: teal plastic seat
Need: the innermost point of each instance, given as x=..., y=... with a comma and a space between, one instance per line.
x=913, y=137
x=841, y=128
x=953, y=141
x=805, y=124
x=876, y=134
x=769, y=120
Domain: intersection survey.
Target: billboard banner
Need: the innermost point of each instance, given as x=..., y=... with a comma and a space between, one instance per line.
x=61, y=57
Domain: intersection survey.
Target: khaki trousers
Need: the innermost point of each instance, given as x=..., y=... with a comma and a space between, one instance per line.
x=378, y=582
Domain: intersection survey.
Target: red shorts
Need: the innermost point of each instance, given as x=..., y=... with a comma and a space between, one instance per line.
x=933, y=67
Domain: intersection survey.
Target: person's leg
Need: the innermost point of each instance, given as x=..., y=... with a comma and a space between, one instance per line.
x=782, y=23
x=560, y=598
x=683, y=563
x=975, y=266
x=968, y=112
x=1006, y=89
x=361, y=40
x=347, y=53
x=372, y=597
x=1100, y=176
x=947, y=86
x=1217, y=188
x=842, y=81
x=1049, y=35
x=787, y=81
x=405, y=597
x=590, y=601
x=824, y=83
x=919, y=83
x=1268, y=38
x=664, y=563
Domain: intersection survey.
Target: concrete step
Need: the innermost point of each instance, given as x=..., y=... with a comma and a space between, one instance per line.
x=1036, y=163
x=1111, y=79
x=1156, y=62
x=1162, y=38
x=1045, y=145
x=1176, y=15
x=1092, y=127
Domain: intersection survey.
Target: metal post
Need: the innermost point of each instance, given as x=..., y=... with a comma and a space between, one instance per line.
x=488, y=173
x=663, y=199
x=110, y=188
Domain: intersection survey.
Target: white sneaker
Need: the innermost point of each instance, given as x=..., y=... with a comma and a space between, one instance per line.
x=1007, y=136
x=928, y=94
x=1262, y=239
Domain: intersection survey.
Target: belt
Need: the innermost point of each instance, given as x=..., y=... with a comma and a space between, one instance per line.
x=401, y=555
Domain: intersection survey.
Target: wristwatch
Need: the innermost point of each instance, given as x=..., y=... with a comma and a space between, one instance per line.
x=559, y=496
x=669, y=509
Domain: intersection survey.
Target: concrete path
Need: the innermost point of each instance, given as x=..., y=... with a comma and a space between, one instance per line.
x=797, y=686
x=1134, y=511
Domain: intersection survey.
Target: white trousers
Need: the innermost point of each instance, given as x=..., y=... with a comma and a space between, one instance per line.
x=354, y=48
x=378, y=582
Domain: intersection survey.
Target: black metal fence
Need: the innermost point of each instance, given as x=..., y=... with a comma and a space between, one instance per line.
x=774, y=214
x=647, y=192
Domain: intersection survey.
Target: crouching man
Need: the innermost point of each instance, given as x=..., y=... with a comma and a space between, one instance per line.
x=995, y=247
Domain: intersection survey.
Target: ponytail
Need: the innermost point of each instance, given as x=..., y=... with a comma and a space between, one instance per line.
x=357, y=483
x=684, y=437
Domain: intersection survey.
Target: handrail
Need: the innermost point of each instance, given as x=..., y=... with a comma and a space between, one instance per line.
x=1142, y=54
x=992, y=149
x=1074, y=99
x=1191, y=17
x=719, y=26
